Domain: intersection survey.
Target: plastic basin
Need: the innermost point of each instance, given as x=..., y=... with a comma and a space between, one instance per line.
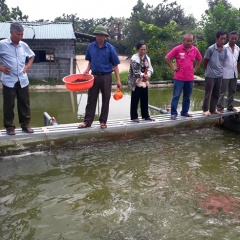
x=78, y=82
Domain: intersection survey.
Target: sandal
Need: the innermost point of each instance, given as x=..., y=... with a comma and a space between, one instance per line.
x=103, y=125
x=27, y=130
x=84, y=125
x=136, y=120
x=10, y=131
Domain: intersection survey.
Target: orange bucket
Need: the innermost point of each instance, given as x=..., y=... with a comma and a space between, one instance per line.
x=118, y=95
x=78, y=82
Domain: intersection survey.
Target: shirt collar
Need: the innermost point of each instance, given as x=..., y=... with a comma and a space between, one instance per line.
x=104, y=45
x=10, y=42
x=183, y=48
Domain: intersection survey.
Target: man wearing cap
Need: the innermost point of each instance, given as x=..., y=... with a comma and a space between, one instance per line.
x=102, y=61
x=13, y=56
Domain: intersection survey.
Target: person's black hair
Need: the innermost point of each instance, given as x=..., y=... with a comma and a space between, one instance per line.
x=139, y=44
x=233, y=33
x=220, y=33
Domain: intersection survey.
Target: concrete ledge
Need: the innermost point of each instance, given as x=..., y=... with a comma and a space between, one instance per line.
x=68, y=135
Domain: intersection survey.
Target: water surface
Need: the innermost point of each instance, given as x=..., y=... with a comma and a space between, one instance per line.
x=136, y=189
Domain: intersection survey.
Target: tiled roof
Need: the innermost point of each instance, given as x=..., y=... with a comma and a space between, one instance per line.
x=43, y=30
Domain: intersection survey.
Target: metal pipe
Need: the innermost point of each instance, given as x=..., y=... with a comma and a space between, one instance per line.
x=163, y=111
x=48, y=120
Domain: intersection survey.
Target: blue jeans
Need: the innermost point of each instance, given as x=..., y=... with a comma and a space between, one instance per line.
x=181, y=86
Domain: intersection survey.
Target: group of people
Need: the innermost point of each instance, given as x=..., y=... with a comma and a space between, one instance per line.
x=220, y=63
x=221, y=72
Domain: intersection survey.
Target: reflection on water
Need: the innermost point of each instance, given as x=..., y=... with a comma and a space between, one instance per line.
x=138, y=189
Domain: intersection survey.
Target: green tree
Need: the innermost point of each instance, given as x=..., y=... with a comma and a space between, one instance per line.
x=160, y=16
x=220, y=16
x=17, y=15
x=4, y=11
x=14, y=15
x=158, y=47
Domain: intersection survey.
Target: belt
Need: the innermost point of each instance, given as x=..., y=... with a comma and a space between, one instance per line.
x=101, y=74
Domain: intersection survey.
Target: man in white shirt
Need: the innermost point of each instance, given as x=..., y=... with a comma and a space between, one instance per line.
x=230, y=73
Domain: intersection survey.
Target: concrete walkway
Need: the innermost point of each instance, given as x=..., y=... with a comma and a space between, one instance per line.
x=69, y=135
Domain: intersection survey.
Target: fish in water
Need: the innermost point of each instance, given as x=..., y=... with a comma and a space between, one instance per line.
x=217, y=203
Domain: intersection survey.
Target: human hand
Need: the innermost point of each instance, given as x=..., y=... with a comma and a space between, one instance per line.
x=86, y=72
x=145, y=77
x=5, y=70
x=119, y=84
x=26, y=68
x=176, y=68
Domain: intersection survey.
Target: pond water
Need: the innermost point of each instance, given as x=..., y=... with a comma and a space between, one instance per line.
x=143, y=189
x=175, y=186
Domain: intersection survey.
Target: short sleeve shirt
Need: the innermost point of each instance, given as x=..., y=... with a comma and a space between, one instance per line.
x=185, y=61
x=215, y=61
x=230, y=69
x=14, y=57
x=102, y=59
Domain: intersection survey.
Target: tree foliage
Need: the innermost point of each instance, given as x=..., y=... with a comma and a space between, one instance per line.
x=158, y=46
x=160, y=16
x=14, y=15
x=220, y=16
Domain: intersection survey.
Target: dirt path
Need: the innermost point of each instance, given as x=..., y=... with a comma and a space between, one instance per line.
x=82, y=64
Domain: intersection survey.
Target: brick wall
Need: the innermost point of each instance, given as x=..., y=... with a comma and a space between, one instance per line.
x=64, y=51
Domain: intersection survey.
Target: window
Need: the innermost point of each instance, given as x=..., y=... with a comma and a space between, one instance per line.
x=44, y=55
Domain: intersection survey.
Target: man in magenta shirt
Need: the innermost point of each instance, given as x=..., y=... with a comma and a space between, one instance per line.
x=185, y=55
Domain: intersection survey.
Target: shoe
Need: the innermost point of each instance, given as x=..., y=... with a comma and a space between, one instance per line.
x=149, y=119
x=27, y=130
x=232, y=109
x=187, y=115
x=173, y=117
x=136, y=120
x=207, y=113
x=10, y=131
x=103, y=125
x=215, y=112
x=84, y=125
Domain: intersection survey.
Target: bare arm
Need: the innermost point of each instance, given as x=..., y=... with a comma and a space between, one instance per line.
x=116, y=70
x=205, y=63
x=86, y=71
x=29, y=64
x=169, y=63
x=198, y=63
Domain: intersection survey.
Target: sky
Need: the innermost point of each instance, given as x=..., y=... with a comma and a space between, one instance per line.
x=49, y=9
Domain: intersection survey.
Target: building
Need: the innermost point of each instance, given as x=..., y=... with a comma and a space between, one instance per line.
x=53, y=45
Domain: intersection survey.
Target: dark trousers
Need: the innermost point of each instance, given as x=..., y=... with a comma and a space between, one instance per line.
x=229, y=86
x=23, y=105
x=142, y=95
x=212, y=93
x=104, y=85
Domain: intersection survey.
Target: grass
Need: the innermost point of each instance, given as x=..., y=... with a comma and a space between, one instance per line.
x=45, y=81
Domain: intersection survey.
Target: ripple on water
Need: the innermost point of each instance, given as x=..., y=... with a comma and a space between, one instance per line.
x=136, y=189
